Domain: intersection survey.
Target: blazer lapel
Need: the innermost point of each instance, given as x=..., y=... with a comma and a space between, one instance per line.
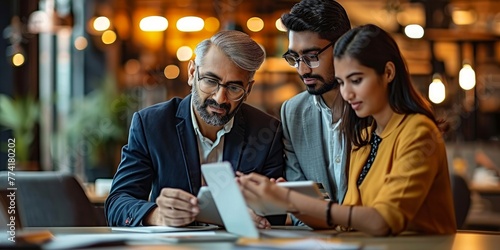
x=189, y=148
x=235, y=142
x=313, y=129
x=314, y=141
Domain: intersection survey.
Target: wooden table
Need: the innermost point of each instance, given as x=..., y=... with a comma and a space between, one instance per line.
x=463, y=240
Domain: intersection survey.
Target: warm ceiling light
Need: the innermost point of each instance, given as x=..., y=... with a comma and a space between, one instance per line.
x=190, y=24
x=463, y=17
x=437, y=91
x=153, y=24
x=255, y=24
x=80, y=43
x=212, y=24
x=108, y=37
x=171, y=72
x=414, y=31
x=467, y=77
x=18, y=59
x=184, y=53
x=101, y=23
x=279, y=25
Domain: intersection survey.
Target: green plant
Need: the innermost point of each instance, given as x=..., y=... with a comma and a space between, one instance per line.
x=20, y=115
x=98, y=123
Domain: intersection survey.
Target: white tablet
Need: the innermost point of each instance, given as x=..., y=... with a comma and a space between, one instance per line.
x=309, y=188
x=208, y=209
x=228, y=199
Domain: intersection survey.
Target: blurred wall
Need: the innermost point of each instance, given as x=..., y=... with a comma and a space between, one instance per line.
x=6, y=86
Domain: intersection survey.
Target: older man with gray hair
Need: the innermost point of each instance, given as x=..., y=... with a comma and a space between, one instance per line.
x=159, y=175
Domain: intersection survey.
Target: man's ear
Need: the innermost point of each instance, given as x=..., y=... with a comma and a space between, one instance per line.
x=191, y=72
x=390, y=71
x=249, y=88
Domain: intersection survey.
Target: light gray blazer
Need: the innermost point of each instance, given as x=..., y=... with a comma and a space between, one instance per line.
x=304, y=156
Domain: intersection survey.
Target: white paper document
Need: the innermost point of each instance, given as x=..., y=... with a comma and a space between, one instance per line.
x=73, y=241
x=218, y=237
x=84, y=241
x=163, y=229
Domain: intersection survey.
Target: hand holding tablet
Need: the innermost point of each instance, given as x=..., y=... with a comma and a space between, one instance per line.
x=208, y=210
x=230, y=203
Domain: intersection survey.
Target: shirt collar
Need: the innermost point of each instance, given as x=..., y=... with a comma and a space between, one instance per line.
x=320, y=103
x=227, y=127
x=394, y=122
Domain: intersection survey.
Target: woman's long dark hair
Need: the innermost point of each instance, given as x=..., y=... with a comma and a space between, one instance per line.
x=372, y=47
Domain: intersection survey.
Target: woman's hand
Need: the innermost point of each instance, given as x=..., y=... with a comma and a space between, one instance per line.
x=280, y=179
x=258, y=189
x=259, y=221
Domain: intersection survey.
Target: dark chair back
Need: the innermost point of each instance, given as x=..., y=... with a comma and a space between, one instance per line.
x=52, y=199
x=461, y=198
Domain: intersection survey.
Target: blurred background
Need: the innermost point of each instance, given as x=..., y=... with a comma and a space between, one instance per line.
x=74, y=71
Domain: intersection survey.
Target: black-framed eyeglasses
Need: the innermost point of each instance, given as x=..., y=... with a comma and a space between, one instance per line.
x=210, y=85
x=311, y=60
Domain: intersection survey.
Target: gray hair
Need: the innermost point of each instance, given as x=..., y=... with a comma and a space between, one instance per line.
x=237, y=46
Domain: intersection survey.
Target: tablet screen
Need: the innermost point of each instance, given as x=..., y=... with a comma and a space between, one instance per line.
x=208, y=209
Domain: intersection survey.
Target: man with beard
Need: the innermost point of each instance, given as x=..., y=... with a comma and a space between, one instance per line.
x=159, y=175
x=314, y=147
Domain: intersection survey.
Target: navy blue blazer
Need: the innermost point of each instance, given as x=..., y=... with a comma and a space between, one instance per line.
x=162, y=152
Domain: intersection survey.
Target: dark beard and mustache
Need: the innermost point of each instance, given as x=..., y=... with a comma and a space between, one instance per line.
x=213, y=119
x=327, y=85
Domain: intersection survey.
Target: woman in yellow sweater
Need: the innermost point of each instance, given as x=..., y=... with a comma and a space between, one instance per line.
x=398, y=175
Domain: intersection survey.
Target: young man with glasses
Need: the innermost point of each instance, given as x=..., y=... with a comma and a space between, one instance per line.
x=314, y=147
x=159, y=176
